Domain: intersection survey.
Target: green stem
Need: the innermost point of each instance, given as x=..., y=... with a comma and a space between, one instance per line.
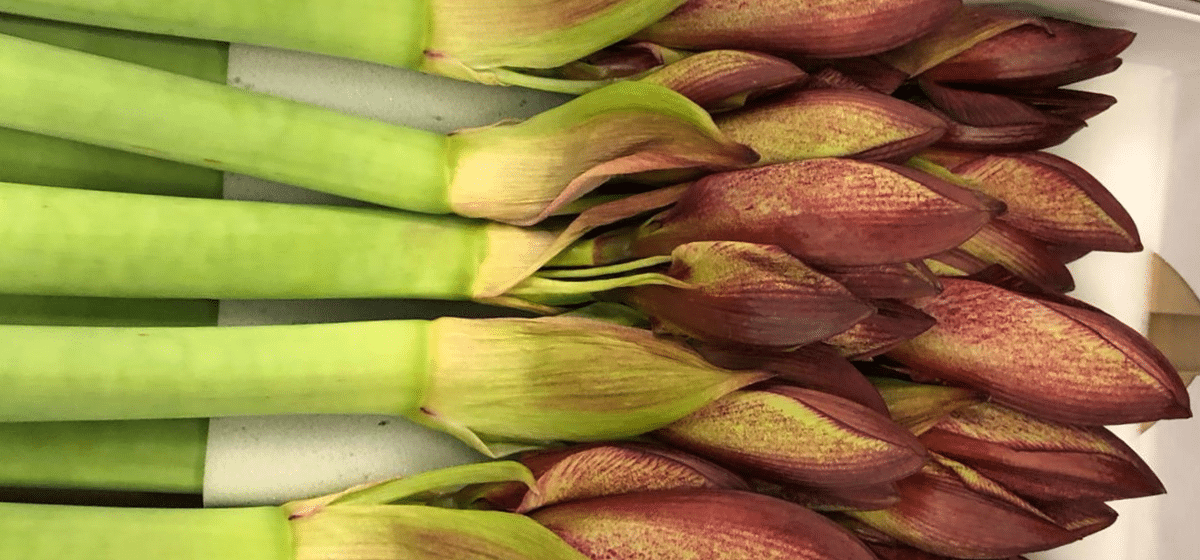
x=97, y=373
x=46, y=532
x=140, y=456
x=127, y=245
x=78, y=96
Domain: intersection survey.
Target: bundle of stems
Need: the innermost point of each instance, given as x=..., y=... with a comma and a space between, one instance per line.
x=143, y=456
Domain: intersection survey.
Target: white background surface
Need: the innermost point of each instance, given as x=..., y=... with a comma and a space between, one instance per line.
x=1146, y=149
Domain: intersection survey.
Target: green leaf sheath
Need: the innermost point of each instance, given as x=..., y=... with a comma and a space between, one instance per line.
x=74, y=95
x=141, y=455
x=89, y=243
x=46, y=532
x=101, y=373
x=392, y=32
x=43, y=160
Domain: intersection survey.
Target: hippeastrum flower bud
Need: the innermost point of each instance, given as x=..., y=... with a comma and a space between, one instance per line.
x=1056, y=361
x=589, y=380
x=748, y=294
x=645, y=127
x=842, y=498
x=623, y=60
x=799, y=436
x=689, y=524
x=968, y=26
x=940, y=512
x=982, y=121
x=892, y=323
x=867, y=73
x=1028, y=258
x=816, y=366
x=918, y=406
x=830, y=212
x=1046, y=55
x=1069, y=103
x=1042, y=460
x=1054, y=200
x=720, y=80
x=816, y=123
x=899, y=551
x=907, y=280
x=830, y=28
x=604, y=469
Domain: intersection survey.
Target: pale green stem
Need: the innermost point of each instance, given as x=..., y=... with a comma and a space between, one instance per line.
x=87, y=98
x=142, y=456
x=389, y=32
x=98, y=373
x=48, y=532
x=76, y=242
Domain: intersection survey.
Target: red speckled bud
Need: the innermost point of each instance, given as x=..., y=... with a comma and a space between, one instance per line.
x=1059, y=362
x=699, y=524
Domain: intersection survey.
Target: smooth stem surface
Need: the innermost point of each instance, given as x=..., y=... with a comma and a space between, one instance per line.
x=77, y=242
x=390, y=32
x=43, y=160
x=46, y=532
x=96, y=100
x=142, y=455
x=100, y=373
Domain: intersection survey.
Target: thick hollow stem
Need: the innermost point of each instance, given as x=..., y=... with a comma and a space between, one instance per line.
x=87, y=243
x=98, y=373
x=47, y=532
x=74, y=95
x=385, y=31
x=141, y=456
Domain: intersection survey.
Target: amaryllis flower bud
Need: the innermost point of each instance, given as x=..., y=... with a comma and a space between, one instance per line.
x=1052, y=53
x=1069, y=103
x=1056, y=361
x=830, y=212
x=1001, y=244
x=983, y=121
x=792, y=435
x=868, y=73
x=689, y=524
x=1055, y=200
x=749, y=294
x=603, y=469
x=841, y=498
x=968, y=26
x=943, y=512
x=720, y=80
x=829, y=29
x=1042, y=460
x=905, y=280
x=816, y=366
x=816, y=123
x=892, y=323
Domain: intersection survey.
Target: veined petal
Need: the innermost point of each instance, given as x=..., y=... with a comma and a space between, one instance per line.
x=887, y=281
x=892, y=323
x=726, y=79
x=1004, y=245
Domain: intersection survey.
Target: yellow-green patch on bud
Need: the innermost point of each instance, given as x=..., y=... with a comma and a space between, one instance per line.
x=470, y=40
x=918, y=406
x=818, y=123
x=556, y=157
x=748, y=294
x=1028, y=258
x=799, y=436
x=562, y=378
x=968, y=26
